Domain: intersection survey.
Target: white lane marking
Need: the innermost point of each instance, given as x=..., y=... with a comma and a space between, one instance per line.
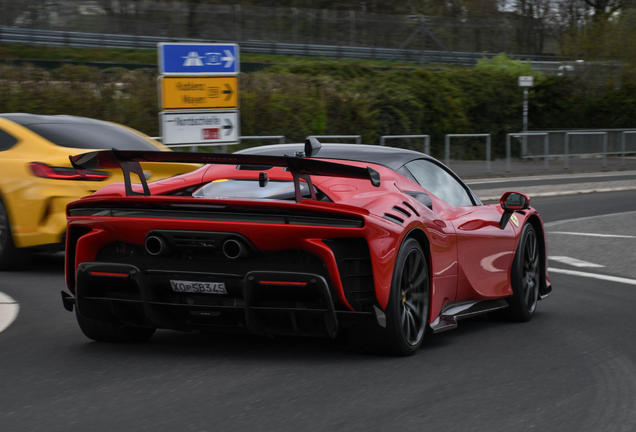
x=593, y=275
x=591, y=234
x=573, y=261
x=559, y=193
x=551, y=224
x=9, y=309
x=550, y=177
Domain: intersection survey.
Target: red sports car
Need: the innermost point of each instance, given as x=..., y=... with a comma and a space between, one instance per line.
x=383, y=243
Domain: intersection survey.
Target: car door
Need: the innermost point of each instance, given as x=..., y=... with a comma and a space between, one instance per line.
x=484, y=251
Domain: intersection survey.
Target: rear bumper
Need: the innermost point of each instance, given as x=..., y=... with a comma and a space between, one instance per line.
x=43, y=223
x=269, y=303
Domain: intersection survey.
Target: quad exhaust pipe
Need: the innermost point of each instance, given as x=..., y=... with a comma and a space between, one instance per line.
x=234, y=249
x=156, y=245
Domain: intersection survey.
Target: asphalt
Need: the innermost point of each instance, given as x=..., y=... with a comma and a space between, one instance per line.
x=571, y=368
x=534, y=167
x=542, y=185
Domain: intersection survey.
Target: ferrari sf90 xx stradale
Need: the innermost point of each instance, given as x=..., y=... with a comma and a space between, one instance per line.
x=383, y=243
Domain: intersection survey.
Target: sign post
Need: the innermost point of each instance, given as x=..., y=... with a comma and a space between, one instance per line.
x=525, y=82
x=199, y=93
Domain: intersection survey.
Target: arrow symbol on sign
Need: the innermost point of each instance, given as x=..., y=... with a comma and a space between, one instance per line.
x=228, y=126
x=228, y=92
x=229, y=58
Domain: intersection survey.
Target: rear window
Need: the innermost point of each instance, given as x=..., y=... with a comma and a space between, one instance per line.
x=92, y=136
x=250, y=189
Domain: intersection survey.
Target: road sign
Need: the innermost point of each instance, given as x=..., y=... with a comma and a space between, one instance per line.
x=199, y=127
x=196, y=92
x=526, y=81
x=198, y=59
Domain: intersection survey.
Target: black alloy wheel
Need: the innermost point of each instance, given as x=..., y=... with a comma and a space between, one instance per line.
x=406, y=315
x=526, y=271
x=413, y=301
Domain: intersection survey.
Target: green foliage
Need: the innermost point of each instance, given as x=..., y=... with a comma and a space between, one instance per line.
x=501, y=62
x=127, y=97
x=338, y=99
x=345, y=70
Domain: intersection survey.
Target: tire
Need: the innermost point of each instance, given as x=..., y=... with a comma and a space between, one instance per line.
x=407, y=311
x=104, y=332
x=11, y=258
x=524, y=277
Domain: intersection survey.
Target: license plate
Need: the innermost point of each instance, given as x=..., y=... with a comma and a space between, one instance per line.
x=198, y=287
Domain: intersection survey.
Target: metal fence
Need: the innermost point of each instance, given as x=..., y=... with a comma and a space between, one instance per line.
x=105, y=40
x=447, y=148
x=565, y=145
x=524, y=144
x=292, y=25
x=592, y=146
x=427, y=140
x=579, y=143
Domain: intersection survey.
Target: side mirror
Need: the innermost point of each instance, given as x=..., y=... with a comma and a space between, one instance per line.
x=511, y=202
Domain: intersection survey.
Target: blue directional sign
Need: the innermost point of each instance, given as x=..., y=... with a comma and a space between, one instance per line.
x=198, y=59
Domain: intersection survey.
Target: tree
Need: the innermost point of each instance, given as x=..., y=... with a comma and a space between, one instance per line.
x=457, y=8
x=532, y=23
x=604, y=9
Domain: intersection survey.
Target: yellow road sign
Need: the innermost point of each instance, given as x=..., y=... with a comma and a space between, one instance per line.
x=193, y=92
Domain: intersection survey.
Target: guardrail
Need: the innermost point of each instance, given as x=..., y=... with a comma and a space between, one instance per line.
x=280, y=138
x=105, y=40
x=358, y=138
x=447, y=147
x=427, y=140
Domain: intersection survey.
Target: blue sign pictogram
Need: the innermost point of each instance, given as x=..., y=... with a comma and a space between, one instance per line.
x=198, y=59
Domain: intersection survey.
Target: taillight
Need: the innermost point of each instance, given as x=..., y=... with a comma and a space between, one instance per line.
x=61, y=173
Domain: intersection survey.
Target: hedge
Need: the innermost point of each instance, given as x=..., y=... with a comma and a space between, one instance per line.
x=343, y=99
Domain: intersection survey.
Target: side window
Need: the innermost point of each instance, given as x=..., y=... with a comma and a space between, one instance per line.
x=439, y=182
x=6, y=141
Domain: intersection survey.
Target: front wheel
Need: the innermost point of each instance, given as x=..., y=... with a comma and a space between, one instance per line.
x=525, y=274
x=407, y=311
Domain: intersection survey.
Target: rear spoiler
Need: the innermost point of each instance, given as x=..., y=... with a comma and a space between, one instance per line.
x=299, y=166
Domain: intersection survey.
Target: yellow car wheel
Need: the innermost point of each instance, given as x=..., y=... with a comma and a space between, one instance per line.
x=11, y=258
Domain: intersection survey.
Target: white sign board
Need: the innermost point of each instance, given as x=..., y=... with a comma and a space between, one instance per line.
x=526, y=81
x=194, y=127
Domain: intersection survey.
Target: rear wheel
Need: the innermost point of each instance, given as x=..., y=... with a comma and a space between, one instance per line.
x=11, y=258
x=407, y=311
x=104, y=332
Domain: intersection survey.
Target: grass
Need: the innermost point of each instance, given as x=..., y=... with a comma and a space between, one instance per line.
x=39, y=52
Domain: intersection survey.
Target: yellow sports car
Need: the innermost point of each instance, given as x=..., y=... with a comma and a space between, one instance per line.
x=37, y=181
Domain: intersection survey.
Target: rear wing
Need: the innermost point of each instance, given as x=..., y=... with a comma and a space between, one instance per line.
x=299, y=166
